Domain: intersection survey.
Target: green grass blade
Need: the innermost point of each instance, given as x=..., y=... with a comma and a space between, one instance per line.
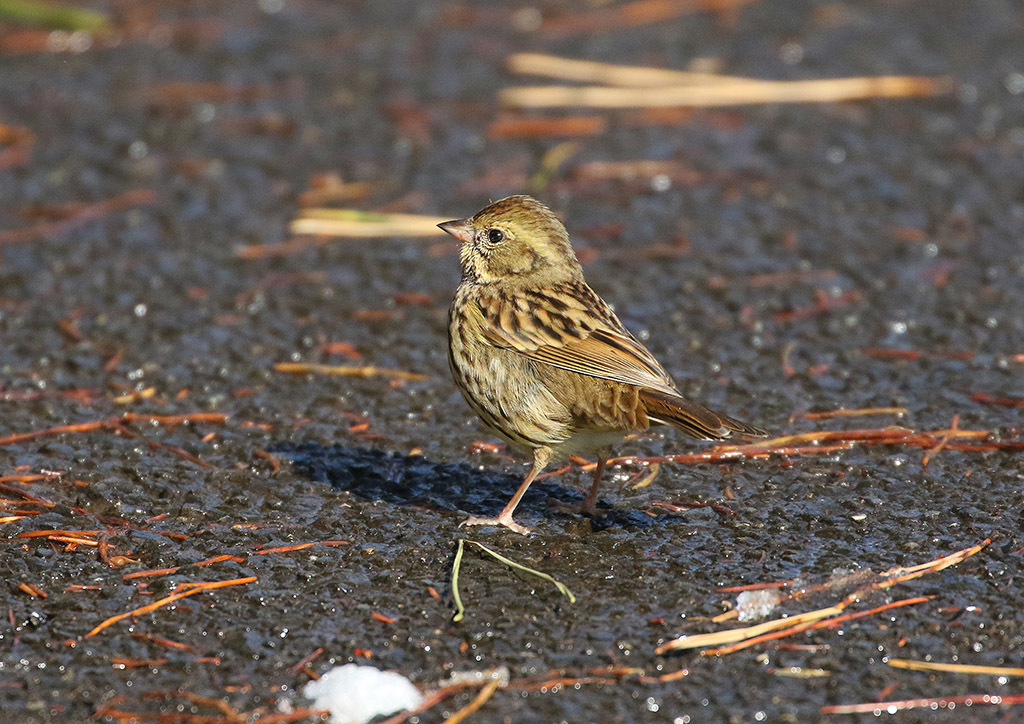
x=562, y=588
x=460, y=610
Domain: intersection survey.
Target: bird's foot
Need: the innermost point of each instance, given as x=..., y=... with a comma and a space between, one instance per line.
x=501, y=521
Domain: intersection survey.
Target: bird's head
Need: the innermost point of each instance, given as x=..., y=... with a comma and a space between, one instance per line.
x=516, y=238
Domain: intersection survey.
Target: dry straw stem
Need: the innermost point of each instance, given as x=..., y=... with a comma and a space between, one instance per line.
x=726, y=94
x=955, y=668
x=477, y=702
x=740, y=634
x=931, y=703
x=625, y=76
x=778, y=628
x=301, y=368
x=364, y=224
x=887, y=579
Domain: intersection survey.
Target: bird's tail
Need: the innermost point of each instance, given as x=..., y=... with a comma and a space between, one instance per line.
x=695, y=420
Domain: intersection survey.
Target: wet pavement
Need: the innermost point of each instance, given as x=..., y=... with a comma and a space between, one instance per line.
x=773, y=271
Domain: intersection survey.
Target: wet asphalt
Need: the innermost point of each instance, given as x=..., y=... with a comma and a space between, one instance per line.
x=792, y=244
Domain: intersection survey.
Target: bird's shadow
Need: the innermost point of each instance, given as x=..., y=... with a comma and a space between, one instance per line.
x=413, y=480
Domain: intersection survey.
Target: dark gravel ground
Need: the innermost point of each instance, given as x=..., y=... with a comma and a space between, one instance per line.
x=912, y=209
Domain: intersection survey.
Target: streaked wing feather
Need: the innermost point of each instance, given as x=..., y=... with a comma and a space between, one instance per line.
x=570, y=327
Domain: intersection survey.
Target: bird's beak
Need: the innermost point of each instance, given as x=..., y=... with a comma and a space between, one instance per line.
x=461, y=229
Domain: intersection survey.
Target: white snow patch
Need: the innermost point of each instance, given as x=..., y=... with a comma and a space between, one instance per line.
x=752, y=605
x=356, y=694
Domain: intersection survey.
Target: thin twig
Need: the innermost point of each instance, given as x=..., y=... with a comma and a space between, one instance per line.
x=480, y=700
x=186, y=590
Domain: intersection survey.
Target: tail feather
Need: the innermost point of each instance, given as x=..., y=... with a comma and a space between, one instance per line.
x=693, y=419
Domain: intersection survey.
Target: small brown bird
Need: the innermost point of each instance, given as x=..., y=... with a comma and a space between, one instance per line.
x=543, y=360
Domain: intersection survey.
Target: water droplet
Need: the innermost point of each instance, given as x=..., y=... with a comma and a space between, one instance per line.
x=836, y=154
x=791, y=53
x=526, y=20
x=968, y=93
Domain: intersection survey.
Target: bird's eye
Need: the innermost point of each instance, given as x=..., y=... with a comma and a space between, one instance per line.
x=495, y=236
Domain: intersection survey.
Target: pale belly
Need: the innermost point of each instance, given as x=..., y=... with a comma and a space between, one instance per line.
x=530, y=404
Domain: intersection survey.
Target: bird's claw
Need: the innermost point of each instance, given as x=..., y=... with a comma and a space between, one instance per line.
x=500, y=522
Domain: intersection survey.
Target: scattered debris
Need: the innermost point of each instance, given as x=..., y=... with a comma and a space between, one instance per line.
x=302, y=368
x=828, y=617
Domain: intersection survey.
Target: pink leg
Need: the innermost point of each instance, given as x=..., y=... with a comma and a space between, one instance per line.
x=589, y=506
x=541, y=456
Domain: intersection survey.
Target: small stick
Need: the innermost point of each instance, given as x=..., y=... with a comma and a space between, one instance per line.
x=841, y=439
x=306, y=660
x=275, y=463
x=175, y=569
x=57, y=532
x=166, y=643
x=943, y=442
x=188, y=589
x=916, y=354
x=136, y=663
x=301, y=368
x=429, y=702
x=955, y=668
x=115, y=424
x=34, y=477
x=480, y=700
x=88, y=212
x=843, y=412
x=29, y=498
x=31, y=589
x=266, y=251
x=574, y=127
x=284, y=549
x=548, y=684
x=985, y=398
x=756, y=586
x=930, y=703
x=631, y=15
x=19, y=142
